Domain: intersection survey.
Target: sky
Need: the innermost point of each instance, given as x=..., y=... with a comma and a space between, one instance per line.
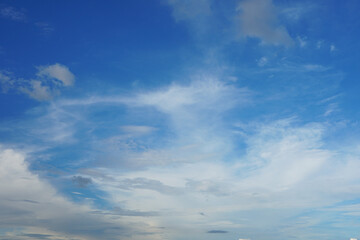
x=179, y=119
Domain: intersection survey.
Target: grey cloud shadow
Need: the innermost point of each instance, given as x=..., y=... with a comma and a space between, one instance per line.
x=217, y=231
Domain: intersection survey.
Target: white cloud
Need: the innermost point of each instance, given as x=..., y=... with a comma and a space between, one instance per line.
x=58, y=72
x=258, y=19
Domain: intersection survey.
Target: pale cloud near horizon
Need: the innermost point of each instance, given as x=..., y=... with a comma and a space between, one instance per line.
x=258, y=18
x=31, y=207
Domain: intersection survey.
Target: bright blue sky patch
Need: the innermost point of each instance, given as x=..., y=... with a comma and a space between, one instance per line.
x=179, y=119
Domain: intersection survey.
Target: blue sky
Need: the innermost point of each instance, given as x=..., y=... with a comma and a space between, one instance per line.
x=179, y=119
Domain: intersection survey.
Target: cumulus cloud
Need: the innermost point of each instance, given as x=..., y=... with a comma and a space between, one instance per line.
x=258, y=18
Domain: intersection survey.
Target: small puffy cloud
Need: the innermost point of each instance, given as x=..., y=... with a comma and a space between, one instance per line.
x=258, y=19
x=50, y=79
x=58, y=72
x=38, y=91
x=13, y=14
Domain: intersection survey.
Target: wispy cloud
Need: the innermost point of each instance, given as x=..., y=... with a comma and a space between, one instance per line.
x=12, y=14
x=47, y=28
x=190, y=10
x=6, y=81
